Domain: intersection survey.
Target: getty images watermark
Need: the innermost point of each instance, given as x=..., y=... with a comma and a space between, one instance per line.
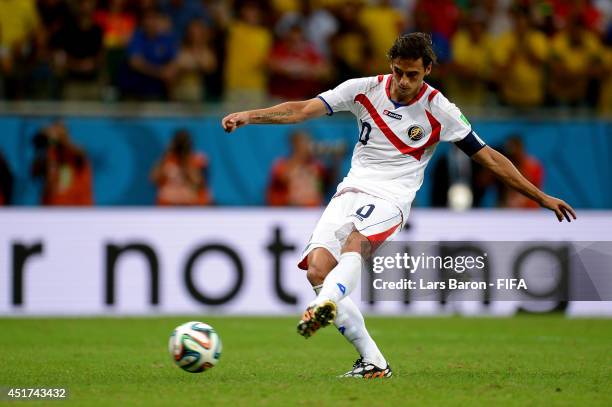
x=489, y=271
x=457, y=264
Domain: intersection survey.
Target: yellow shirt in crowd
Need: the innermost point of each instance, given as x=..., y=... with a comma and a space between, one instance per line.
x=476, y=56
x=383, y=25
x=576, y=60
x=522, y=83
x=294, y=5
x=18, y=18
x=248, y=47
x=351, y=49
x=476, y=59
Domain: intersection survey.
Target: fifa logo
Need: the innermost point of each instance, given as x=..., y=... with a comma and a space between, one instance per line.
x=416, y=133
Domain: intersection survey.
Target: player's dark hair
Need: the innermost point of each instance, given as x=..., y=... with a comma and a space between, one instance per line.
x=413, y=46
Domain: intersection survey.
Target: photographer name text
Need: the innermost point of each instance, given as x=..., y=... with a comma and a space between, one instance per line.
x=450, y=284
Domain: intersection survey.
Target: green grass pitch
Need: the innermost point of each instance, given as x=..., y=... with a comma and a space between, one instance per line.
x=521, y=361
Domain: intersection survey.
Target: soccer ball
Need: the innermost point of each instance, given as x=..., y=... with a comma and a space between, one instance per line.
x=195, y=346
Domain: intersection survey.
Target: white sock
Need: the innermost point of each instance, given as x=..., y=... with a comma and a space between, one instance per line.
x=351, y=325
x=342, y=279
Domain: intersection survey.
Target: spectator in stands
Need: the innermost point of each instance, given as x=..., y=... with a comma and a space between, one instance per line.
x=518, y=61
x=497, y=16
x=384, y=24
x=280, y=7
x=576, y=60
x=79, y=58
x=297, y=69
x=351, y=49
x=471, y=50
x=584, y=11
x=6, y=182
x=248, y=47
x=220, y=16
x=531, y=169
x=63, y=167
x=441, y=45
x=196, y=58
x=605, y=96
x=117, y=23
x=151, y=58
x=183, y=12
x=18, y=22
x=317, y=23
x=18, y=44
x=300, y=179
x=54, y=15
x=43, y=79
x=182, y=174
x=442, y=14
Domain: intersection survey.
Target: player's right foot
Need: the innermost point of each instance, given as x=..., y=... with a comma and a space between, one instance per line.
x=315, y=317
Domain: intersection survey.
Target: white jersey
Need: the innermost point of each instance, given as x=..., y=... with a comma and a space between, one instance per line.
x=396, y=141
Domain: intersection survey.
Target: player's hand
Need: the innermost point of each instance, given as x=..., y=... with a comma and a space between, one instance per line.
x=234, y=120
x=559, y=207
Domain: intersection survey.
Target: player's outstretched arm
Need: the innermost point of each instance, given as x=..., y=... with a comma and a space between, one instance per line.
x=503, y=168
x=285, y=113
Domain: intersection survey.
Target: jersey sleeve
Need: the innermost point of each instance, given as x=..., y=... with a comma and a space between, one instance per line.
x=455, y=126
x=341, y=98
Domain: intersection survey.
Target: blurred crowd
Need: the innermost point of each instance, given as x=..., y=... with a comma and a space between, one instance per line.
x=306, y=177
x=521, y=53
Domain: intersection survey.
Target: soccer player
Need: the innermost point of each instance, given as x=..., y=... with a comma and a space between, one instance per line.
x=400, y=121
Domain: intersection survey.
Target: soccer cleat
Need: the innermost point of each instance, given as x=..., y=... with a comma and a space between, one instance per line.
x=367, y=370
x=315, y=317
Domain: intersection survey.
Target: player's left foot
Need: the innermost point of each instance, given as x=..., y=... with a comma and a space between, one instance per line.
x=366, y=370
x=316, y=317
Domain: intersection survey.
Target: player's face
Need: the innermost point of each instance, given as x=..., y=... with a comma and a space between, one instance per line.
x=408, y=75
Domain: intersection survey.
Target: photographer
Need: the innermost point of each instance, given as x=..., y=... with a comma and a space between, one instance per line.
x=301, y=179
x=62, y=167
x=181, y=175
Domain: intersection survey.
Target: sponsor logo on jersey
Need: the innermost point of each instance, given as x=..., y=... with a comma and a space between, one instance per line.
x=392, y=115
x=416, y=132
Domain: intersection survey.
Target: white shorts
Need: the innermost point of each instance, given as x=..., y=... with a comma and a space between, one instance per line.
x=373, y=217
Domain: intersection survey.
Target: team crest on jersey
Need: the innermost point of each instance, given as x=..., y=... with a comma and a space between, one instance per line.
x=416, y=132
x=392, y=115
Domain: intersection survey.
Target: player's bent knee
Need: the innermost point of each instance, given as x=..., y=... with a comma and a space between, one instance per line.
x=356, y=242
x=315, y=275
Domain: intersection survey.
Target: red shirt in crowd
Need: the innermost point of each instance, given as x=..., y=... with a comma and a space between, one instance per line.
x=300, y=83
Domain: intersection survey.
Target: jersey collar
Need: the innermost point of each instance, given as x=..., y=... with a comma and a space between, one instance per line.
x=413, y=100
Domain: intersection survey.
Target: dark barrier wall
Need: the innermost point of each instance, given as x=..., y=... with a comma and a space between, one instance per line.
x=575, y=154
